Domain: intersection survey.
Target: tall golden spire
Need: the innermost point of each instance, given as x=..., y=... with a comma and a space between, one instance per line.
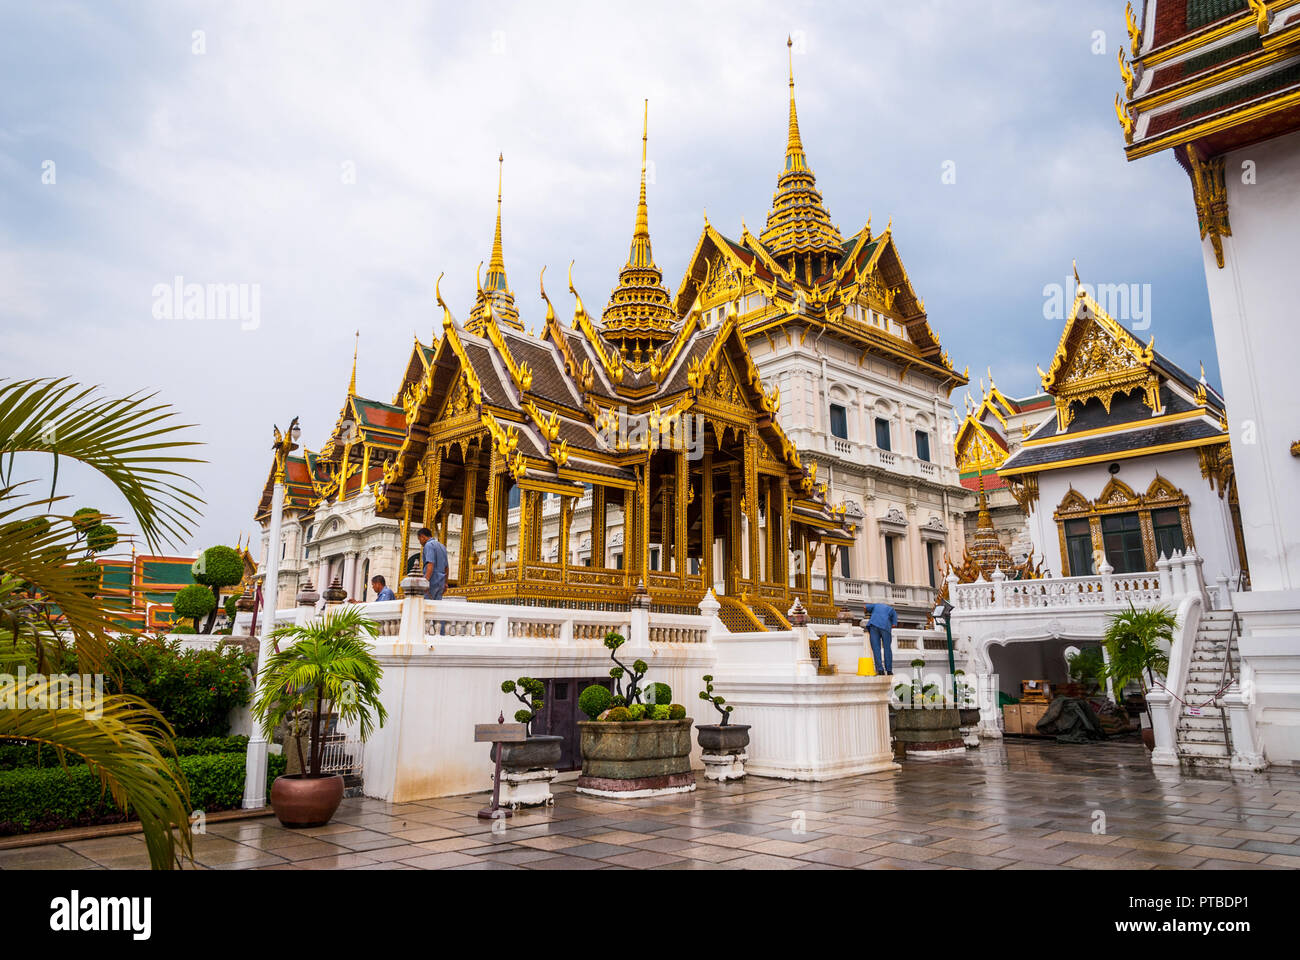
x=495, y=295
x=352, y=386
x=799, y=228
x=639, y=316
x=794, y=156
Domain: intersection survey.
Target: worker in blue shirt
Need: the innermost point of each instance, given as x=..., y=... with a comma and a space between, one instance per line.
x=382, y=590
x=881, y=620
x=435, y=563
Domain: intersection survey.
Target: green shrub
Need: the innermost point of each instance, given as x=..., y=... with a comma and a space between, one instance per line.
x=636, y=711
x=659, y=693
x=85, y=518
x=194, y=690
x=194, y=603
x=37, y=799
x=676, y=712
x=594, y=700
x=101, y=537
x=231, y=607
x=183, y=630
x=659, y=711
x=618, y=715
x=20, y=755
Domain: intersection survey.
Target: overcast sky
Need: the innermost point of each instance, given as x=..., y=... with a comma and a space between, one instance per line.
x=336, y=157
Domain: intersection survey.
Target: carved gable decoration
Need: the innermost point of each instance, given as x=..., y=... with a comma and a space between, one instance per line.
x=1117, y=493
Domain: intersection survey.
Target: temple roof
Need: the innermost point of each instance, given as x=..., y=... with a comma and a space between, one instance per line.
x=495, y=296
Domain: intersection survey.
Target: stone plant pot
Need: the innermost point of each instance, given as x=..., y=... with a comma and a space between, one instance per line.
x=536, y=753
x=718, y=738
x=636, y=758
x=300, y=801
x=930, y=734
x=970, y=721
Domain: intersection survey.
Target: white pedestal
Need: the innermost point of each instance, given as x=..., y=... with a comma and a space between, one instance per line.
x=970, y=736
x=531, y=789
x=724, y=766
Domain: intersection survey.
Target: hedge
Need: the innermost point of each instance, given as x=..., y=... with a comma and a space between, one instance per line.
x=20, y=756
x=35, y=799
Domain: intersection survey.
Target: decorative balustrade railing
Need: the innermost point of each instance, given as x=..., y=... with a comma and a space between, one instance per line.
x=343, y=756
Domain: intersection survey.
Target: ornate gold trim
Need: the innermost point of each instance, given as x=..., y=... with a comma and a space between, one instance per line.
x=1211, y=193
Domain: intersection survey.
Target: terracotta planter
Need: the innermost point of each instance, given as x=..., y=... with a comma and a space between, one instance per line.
x=535, y=753
x=717, y=738
x=300, y=801
x=639, y=756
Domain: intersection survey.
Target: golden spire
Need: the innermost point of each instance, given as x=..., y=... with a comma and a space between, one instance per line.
x=798, y=225
x=352, y=386
x=794, y=156
x=495, y=295
x=497, y=265
x=640, y=311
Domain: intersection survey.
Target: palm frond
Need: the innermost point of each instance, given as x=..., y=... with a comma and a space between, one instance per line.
x=121, y=738
x=132, y=442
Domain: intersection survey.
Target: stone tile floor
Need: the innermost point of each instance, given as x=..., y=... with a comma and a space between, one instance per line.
x=1012, y=805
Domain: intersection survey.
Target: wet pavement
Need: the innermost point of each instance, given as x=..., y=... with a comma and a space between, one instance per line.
x=1008, y=805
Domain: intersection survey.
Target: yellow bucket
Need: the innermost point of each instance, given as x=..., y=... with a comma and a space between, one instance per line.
x=866, y=666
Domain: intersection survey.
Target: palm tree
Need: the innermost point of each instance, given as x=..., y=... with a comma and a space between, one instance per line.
x=1133, y=651
x=48, y=598
x=322, y=666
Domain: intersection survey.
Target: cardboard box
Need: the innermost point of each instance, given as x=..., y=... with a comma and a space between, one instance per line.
x=1011, y=718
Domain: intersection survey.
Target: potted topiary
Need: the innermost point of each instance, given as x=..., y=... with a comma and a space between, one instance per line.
x=323, y=667
x=633, y=747
x=722, y=745
x=925, y=725
x=529, y=766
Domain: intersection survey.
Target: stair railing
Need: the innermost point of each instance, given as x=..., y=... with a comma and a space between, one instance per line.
x=1226, y=679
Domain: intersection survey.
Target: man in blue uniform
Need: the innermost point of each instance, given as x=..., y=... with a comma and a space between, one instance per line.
x=435, y=563
x=381, y=588
x=881, y=620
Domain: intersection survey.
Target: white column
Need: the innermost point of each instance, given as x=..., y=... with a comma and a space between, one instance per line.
x=255, y=763
x=350, y=574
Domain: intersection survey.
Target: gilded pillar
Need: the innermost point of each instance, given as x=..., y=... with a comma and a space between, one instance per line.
x=598, y=524
x=734, y=550
x=467, y=516
x=681, y=495
x=643, y=522
x=495, y=495
x=751, y=511
x=706, y=520
x=566, y=521
x=402, y=544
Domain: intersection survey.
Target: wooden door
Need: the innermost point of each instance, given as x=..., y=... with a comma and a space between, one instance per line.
x=560, y=716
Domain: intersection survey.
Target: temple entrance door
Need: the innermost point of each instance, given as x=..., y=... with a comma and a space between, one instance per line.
x=560, y=716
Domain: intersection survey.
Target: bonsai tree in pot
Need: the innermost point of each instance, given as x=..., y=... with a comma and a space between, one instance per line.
x=926, y=725
x=1134, y=653
x=723, y=744
x=630, y=747
x=320, y=667
x=538, y=751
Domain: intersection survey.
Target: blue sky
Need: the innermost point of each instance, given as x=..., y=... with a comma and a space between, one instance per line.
x=229, y=166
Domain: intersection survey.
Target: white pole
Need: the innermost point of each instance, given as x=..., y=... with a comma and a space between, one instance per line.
x=255, y=765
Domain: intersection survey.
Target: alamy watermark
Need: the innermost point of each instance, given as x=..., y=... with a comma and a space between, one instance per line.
x=1129, y=303
x=83, y=692
x=179, y=300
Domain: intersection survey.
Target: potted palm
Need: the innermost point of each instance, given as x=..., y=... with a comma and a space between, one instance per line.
x=1137, y=650
x=722, y=745
x=326, y=668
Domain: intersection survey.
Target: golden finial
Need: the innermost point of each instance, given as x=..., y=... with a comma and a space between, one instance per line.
x=550, y=311
x=794, y=144
x=497, y=263
x=447, y=321
x=1126, y=73
x=478, y=277
x=1078, y=284
x=640, y=255
x=1202, y=371
x=352, y=386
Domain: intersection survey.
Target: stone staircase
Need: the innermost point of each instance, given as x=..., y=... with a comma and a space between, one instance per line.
x=1200, y=735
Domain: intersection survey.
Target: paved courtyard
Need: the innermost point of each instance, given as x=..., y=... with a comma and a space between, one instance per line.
x=1012, y=805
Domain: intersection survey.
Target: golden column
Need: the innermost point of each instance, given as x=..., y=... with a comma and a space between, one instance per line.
x=681, y=496
x=751, y=503
x=598, y=522
x=467, y=516
x=706, y=519
x=496, y=495
x=566, y=521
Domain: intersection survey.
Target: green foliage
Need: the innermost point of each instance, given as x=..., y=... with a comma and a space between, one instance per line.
x=636, y=711
x=618, y=715
x=194, y=690
x=1088, y=666
x=659, y=693
x=324, y=666
x=718, y=702
x=617, y=702
x=21, y=755
x=1133, y=646
x=194, y=602
x=85, y=518
x=218, y=567
x=659, y=711
x=594, y=700
x=37, y=798
x=632, y=692
x=101, y=537
x=676, y=712
x=183, y=629
x=529, y=692
x=230, y=606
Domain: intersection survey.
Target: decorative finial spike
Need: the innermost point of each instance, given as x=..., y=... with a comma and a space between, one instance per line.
x=352, y=385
